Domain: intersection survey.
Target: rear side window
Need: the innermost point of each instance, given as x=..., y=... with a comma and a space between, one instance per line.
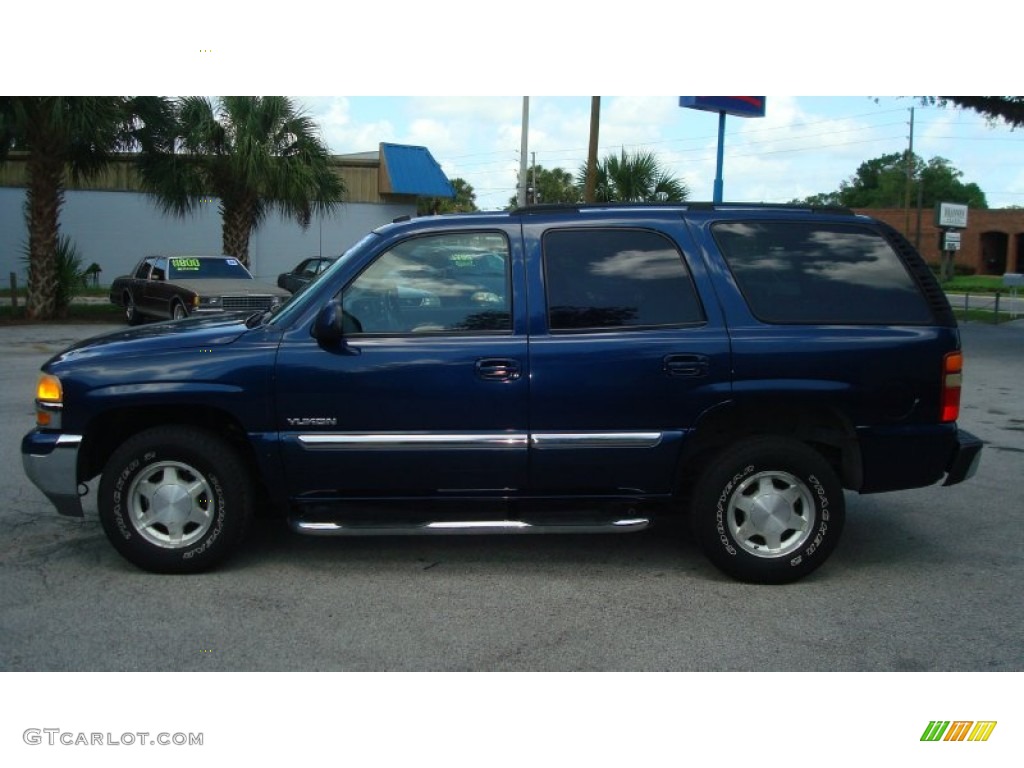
x=616, y=278
x=820, y=273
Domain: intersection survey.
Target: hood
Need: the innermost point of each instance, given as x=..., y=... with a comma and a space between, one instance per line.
x=197, y=332
x=226, y=286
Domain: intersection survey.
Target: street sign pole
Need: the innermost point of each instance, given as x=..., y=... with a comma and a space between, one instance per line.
x=741, y=106
x=719, y=181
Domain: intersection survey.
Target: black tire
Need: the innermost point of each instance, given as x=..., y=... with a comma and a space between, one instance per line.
x=131, y=311
x=768, y=510
x=175, y=500
x=178, y=311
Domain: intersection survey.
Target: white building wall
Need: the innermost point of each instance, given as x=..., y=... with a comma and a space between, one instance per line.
x=116, y=229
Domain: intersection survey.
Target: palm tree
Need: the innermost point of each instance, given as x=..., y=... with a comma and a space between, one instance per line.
x=62, y=136
x=634, y=177
x=463, y=202
x=256, y=154
x=553, y=186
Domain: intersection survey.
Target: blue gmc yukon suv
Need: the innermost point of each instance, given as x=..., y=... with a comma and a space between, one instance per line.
x=565, y=369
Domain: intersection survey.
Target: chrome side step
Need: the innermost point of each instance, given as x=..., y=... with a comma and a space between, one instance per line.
x=463, y=527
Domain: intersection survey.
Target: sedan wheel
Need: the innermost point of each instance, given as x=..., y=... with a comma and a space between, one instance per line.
x=179, y=311
x=131, y=312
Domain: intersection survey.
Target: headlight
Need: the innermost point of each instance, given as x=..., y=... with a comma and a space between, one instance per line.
x=49, y=401
x=209, y=301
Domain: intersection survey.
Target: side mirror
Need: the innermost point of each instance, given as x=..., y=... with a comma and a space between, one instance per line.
x=332, y=323
x=328, y=328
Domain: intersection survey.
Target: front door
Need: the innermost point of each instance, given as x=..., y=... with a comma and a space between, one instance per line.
x=427, y=395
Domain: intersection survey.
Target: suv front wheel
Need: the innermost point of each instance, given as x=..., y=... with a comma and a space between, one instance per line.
x=768, y=510
x=175, y=499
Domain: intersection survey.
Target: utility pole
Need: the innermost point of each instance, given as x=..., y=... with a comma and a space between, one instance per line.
x=521, y=195
x=910, y=176
x=589, y=188
x=533, y=164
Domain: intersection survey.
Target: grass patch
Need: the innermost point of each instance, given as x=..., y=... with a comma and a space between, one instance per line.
x=975, y=284
x=77, y=313
x=981, y=316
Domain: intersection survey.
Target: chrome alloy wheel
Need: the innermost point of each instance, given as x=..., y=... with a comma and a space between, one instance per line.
x=771, y=514
x=171, y=504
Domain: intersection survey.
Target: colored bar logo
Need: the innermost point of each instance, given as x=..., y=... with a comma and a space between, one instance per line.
x=958, y=730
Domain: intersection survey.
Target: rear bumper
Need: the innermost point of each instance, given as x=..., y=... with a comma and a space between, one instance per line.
x=51, y=462
x=966, y=458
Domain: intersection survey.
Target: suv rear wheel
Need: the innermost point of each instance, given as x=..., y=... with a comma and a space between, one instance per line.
x=768, y=510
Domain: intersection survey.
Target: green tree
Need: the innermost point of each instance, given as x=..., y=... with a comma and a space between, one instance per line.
x=463, y=202
x=63, y=136
x=882, y=183
x=1007, y=108
x=256, y=154
x=554, y=186
x=634, y=177
x=941, y=182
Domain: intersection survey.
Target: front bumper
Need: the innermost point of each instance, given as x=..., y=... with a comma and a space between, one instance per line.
x=966, y=458
x=51, y=462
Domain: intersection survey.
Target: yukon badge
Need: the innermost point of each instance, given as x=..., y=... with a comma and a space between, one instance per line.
x=312, y=421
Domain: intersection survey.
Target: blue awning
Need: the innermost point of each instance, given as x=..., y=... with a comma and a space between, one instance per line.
x=409, y=170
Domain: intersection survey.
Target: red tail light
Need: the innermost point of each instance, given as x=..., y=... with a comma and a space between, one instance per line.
x=952, y=376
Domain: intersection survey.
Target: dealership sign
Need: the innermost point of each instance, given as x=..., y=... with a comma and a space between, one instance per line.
x=951, y=215
x=741, y=106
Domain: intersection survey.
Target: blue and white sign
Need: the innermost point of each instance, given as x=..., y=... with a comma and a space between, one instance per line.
x=741, y=106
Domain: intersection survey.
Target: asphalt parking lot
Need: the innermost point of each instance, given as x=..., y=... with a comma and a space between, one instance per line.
x=929, y=579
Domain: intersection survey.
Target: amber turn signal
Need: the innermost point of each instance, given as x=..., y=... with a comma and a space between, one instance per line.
x=48, y=390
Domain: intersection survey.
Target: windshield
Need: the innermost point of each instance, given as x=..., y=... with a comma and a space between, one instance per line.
x=196, y=267
x=298, y=303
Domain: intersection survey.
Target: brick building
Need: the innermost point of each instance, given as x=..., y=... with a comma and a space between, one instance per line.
x=992, y=244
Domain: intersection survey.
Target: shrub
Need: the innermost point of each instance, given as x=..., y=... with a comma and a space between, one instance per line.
x=70, y=276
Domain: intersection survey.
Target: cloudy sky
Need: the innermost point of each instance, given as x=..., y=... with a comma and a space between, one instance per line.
x=451, y=76
x=802, y=146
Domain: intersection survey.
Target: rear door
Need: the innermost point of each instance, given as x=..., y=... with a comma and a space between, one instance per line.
x=625, y=354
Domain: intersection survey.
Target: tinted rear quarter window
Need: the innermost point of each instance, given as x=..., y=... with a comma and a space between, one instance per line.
x=616, y=278
x=820, y=273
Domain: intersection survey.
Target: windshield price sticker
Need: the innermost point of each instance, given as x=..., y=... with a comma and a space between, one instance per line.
x=183, y=264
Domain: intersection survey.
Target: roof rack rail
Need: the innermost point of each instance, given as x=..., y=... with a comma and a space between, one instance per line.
x=706, y=206
x=686, y=205
x=549, y=208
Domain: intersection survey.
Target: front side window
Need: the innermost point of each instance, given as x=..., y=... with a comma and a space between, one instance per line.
x=616, y=278
x=453, y=283
x=820, y=273
x=142, y=273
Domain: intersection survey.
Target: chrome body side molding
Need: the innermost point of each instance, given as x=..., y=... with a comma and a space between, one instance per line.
x=496, y=441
